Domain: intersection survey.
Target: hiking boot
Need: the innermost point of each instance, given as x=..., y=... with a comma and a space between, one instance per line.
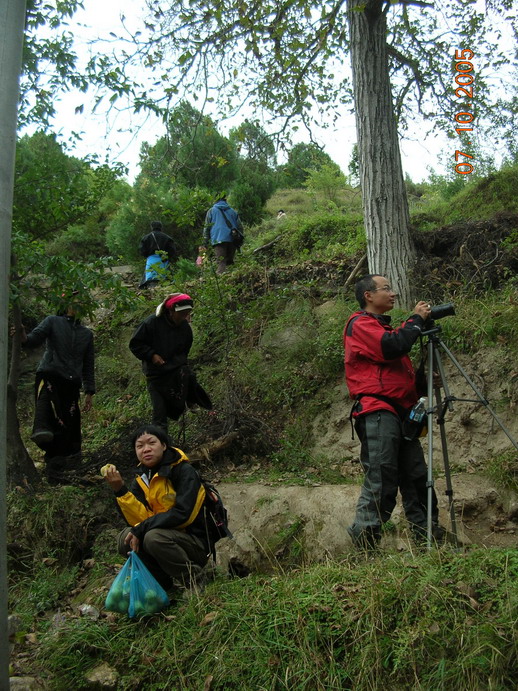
x=366, y=540
x=42, y=437
x=420, y=535
x=439, y=533
x=54, y=468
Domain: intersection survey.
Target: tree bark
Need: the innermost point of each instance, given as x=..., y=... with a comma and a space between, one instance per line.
x=12, y=22
x=390, y=250
x=20, y=466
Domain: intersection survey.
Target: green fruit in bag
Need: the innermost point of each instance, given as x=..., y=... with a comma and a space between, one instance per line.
x=139, y=607
x=151, y=596
x=117, y=599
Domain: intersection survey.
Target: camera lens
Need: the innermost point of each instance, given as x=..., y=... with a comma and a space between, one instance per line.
x=440, y=311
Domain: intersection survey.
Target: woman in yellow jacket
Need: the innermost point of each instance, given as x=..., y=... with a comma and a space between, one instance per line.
x=163, y=508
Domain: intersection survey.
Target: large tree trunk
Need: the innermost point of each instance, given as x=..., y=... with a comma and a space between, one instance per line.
x=20, y=466
x=12, y=21
x=390, y=250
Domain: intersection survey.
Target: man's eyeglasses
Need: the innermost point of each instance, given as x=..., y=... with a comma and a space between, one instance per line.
x=387, y=289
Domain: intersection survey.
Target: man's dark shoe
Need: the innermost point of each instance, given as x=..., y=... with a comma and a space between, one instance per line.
x=366, y=541
x=42, y=437
x=54, y=468
x=438, y=533
x=420, y=535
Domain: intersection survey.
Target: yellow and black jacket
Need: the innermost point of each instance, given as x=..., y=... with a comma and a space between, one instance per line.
x=169, y=495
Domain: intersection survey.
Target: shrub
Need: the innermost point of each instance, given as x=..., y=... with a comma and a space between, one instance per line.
x=80, y=242
x=319, y=230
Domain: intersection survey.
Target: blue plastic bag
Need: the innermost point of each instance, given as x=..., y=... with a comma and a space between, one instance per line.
x=135, y=590
x=118, y=597
x=146, y=594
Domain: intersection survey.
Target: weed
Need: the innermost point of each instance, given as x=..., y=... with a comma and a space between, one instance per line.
x=264, y=501
x=441, y=620
x=503, y=469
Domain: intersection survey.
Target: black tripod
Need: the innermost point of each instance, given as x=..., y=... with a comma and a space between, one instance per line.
x=442, y=404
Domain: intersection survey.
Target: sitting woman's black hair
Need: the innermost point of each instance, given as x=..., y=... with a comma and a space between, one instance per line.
x=151, y=429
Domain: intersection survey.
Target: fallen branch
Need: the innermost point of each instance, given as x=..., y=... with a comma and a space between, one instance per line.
x=355, y=271
x=204, y=453
x=267, y=246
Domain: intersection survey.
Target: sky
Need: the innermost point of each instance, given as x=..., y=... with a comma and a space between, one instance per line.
x=118, y=136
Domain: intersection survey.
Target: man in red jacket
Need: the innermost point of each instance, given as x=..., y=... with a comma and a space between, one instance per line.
x=381, y=379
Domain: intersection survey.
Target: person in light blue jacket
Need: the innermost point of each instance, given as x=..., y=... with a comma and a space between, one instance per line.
x=220, y=220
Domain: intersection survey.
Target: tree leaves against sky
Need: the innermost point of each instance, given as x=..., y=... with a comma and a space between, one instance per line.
x=289, y=58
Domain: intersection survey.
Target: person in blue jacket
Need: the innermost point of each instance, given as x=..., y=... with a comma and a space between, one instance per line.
x=219, y=222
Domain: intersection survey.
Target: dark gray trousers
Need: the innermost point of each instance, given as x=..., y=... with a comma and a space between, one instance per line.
x=224, y=253
x=169, y=554
x=389, y=462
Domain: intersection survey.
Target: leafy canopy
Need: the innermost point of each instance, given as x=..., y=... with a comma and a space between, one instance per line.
x=53, y=190
x=286, y=57
x=303, y=159
x=50, y=64
x=289, y=57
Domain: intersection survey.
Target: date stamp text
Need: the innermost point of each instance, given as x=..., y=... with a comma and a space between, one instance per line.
x=464, y=79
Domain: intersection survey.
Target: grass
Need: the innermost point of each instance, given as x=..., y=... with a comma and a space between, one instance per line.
x=437, y=621
x=503, y=469
x=478, y=200
x=269, y=358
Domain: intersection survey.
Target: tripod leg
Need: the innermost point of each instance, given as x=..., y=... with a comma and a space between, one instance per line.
x=481, y=398
x=429, y=483
x=444, y=443
x=437, y=366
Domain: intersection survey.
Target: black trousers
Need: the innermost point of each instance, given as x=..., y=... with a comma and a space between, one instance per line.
x=174, y=392
x=168, y=396
x=57, y=410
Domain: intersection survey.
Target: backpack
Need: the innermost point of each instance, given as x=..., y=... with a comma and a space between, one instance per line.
x=238, y=236
x=215, y=514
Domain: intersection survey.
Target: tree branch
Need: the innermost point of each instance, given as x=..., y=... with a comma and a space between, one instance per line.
x=416, y=3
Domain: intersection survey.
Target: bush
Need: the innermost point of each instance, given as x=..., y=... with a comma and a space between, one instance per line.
x=182, y=212
x=82, y=243
x=316, y=232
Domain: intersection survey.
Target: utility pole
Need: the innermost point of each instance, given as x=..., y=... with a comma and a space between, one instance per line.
x=12, y=24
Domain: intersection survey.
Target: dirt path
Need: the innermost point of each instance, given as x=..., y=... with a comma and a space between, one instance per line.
x=275, y=522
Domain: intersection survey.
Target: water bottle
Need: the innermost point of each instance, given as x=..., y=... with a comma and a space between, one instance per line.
x=415, y=422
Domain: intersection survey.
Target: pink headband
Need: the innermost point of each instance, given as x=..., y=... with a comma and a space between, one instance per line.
x=182, y=298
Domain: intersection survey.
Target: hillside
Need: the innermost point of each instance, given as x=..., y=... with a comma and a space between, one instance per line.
x=313, y=614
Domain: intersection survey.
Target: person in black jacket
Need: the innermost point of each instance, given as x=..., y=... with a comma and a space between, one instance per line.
x=162, y=342
x=66, y=365
x=160, y=252
x=163, y=507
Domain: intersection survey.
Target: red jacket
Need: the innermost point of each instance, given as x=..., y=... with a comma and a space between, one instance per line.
x=377, y=362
